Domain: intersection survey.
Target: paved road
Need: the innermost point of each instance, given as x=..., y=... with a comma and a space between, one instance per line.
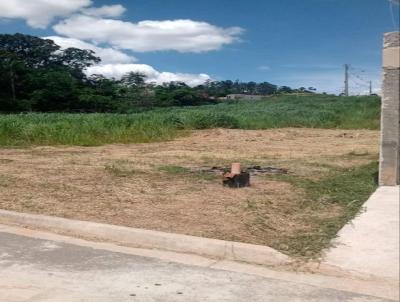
x=37, y=270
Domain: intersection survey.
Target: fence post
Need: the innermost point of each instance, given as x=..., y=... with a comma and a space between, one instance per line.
x=389, y=169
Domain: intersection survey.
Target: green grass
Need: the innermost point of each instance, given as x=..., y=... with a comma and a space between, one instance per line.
x=314, y=111
x=82, y=129
x=346, y=188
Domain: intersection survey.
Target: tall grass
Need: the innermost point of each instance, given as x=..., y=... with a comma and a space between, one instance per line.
x=82, y=129
x=315, y=111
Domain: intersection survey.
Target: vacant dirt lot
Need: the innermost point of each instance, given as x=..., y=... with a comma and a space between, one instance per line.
x=157, y=186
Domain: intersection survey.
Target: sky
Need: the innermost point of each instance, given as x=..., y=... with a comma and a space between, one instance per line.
x=284, y=42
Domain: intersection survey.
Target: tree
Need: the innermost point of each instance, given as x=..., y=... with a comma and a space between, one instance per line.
x=9, y=64
x=37, y=74
x=54, y=90
x=41, y=53
x=33, y=51
x=266, y=88
x=285, y=89
x=25, y=61
x=133, y=78
x=77, y=60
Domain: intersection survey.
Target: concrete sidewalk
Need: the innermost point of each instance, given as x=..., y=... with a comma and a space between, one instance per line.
x=41, y=270
x=370, y=243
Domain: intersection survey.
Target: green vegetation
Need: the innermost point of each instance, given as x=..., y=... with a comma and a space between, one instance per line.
x=81, y=129
x=347, y=189
x=49, y=100
x=315, y=111
x=37, y=75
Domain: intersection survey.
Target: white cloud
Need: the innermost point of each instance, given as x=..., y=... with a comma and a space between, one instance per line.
x=116, y=63
x=82, y=21
x=118, y=70
x=179, y=35
x=105, y=11
x=107, y=55
x=190, y=79
x=87, y=27
x=39, y=13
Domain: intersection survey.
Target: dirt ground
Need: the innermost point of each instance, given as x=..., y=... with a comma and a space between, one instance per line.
x=149, y=186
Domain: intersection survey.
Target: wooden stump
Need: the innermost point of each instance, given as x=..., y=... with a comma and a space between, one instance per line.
x=236, y=180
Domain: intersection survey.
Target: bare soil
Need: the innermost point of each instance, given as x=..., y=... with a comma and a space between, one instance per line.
x=147, y=185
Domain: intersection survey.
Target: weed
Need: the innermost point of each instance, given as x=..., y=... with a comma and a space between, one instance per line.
x=314, y=111
x=345, y=189
x=121, y=168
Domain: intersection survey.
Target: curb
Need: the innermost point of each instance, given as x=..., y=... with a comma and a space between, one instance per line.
x=141, y=238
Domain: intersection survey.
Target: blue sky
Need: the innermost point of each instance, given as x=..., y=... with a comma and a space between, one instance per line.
x=286, y=42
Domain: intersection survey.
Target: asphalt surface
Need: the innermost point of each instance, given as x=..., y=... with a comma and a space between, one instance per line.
x=37, y=270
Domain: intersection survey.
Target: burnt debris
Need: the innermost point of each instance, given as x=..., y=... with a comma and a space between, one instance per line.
x=252, y=170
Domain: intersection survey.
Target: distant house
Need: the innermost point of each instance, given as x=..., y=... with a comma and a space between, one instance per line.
x=249, y=97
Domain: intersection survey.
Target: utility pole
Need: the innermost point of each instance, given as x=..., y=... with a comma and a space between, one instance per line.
x=370, y=87
x=346, y=79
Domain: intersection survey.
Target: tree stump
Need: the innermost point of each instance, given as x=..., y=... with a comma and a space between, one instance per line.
x=236, y=180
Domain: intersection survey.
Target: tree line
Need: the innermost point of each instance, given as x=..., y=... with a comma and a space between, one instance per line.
x=38, y=75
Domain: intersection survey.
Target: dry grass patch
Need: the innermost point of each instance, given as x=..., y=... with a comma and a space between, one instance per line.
x=160, y=186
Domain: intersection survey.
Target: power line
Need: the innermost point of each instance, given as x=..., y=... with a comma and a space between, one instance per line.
x=353, y=79
x=359, y=78
x=360, y=85
x=357, y=75
x=391, y=3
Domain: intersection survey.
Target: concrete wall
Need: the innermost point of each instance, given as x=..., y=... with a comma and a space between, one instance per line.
x=389, y=171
